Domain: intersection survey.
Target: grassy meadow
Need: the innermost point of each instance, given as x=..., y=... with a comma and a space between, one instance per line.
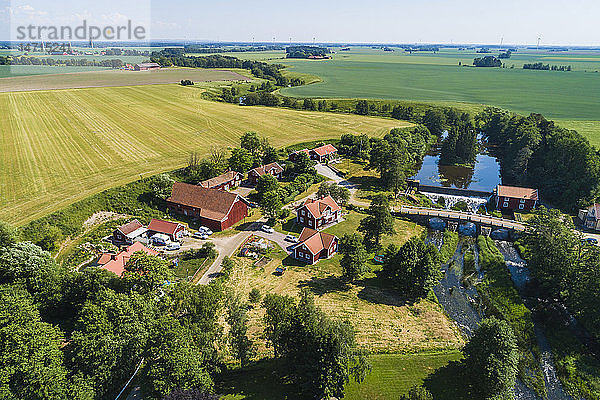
x=57, y=147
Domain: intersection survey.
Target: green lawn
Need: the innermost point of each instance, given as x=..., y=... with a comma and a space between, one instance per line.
x=392, y=376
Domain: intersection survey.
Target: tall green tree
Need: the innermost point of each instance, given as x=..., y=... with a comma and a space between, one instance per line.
x=414, y=267
x=379, y=222
x=266, y=183
x=434, y=120
x=362, y=107
x=491, y=359
x=354, y=256
x=237, y=319
x=145, y=272
x=31, y=362
x=250, y=141
x=241, y=160
x=271, y=204
x=328, y=357
x=339, y=193
x=8, y=235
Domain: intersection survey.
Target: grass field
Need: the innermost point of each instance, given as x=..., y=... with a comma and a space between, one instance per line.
x=392, y=376
x=70, y=78
x=384, y=321
x=26, y=70
x=60, y=146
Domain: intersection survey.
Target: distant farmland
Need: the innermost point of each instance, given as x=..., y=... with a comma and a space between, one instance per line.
x=76, y=79
x=57, y=147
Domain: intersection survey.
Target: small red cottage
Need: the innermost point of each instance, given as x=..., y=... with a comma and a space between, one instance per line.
x=116, y=262
x=513, y=198
x=316, y=213
x=226, y=181
x=215, y=209
x=314, y=246
x=127, y=233
x=325, y=152
x=173, y=230
x=273, y=169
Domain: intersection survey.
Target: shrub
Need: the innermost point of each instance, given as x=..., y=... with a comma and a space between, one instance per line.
x=254, y=296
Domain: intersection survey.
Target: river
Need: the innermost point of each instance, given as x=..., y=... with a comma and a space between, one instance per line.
x=462, y=304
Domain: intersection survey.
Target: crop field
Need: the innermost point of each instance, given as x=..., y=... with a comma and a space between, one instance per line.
x=57, y=147
x=572, y=98
x=27, y=70
x=114, y=77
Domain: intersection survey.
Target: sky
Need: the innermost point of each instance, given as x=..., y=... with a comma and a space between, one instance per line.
x=519, y=22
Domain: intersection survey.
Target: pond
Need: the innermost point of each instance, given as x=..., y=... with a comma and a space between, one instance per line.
x=484, y=175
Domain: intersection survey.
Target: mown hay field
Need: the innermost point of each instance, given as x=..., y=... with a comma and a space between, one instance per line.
x=57, y=147
x=73, y=78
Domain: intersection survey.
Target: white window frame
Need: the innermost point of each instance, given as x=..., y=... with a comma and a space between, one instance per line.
x=505, y=205
x=521, y=206
x=301, y=219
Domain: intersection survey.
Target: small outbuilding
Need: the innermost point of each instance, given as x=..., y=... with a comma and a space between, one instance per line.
x=146, y=66
x=226, y=181
x=126, y=234
x=272, y=169
x=514, y=198
x=174, y=230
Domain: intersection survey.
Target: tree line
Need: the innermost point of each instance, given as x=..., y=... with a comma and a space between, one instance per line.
x=69, y=62
x=534, y=152
x=306, y=51
x=170, y=57
x=487, y=61
x=547, y=67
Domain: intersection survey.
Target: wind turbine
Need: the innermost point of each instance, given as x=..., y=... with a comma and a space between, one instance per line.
x=538, y=45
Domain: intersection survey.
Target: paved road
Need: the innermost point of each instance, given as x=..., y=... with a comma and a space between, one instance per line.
x=352, y=188
x=226, y=246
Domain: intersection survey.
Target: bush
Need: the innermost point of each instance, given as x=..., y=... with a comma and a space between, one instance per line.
x=254, y=296
x=449, y=246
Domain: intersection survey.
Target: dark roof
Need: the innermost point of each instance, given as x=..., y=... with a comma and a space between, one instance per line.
x=130, y=227
x=213, y=203
x=161, y=226
x=219, y=180
x=260, y=171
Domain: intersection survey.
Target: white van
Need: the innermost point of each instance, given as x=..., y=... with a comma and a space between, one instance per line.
x=160, y=239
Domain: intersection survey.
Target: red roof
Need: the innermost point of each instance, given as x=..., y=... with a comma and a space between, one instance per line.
x=318, y=207
x=116, y=263
x=315, y=241
x=325, y=150
x=219, y=180
x=260, y=171
x=161, y=226
x=130, y=227
x=517, y=192
x=213, y=204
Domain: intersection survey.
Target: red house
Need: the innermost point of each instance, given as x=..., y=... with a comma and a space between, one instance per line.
x=215, y=209
x=226, y=181
x=273, y=169
x=314, y=246
x=316, y=213
x=513, y=198
x=116, y=262
x=146, y=66
x=127, y=233
x=174, y=230
x=325, y=152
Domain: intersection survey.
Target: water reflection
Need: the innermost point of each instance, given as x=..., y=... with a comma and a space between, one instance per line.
x=484, y=176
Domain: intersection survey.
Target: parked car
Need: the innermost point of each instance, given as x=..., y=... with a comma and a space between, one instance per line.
x=200, y=235
x=267, y=229
x=590, y=240
x=205, y=230
x=291, y=238
x=280, y=270
x=173, y=246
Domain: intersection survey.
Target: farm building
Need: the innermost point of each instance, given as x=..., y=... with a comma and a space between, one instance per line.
x=116, y=262
x=273, y=169
x=325, y=152
x=317, y=213
x=126, y=234
x=215, y=208
x=226, y=181
x=513, y=198
x=146, y=66
x=314, y=246
x=174, y=230
x=590, y=217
